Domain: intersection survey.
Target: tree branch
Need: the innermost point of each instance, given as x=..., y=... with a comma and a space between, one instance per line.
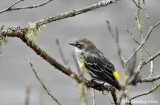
x=151, y=29
x=75, y=12
x=151, y=58
x=136, y=4
x=20, y=8
x=148, y=79
x=142, y=64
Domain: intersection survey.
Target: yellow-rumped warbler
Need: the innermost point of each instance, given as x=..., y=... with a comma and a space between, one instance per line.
x=93, y=61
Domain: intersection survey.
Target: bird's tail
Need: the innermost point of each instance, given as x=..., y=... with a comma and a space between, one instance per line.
x=118, y=86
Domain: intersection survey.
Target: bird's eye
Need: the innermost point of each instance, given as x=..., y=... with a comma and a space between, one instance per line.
x=79, y=46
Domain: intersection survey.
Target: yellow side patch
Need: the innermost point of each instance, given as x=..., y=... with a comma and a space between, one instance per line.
x=115, y=74
x=83, y=65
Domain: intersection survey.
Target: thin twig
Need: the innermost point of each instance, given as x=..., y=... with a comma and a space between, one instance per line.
x=131, y=65
x=61, y=53
x=146, y=93
x=48, y=92
x=15, y=4
x=146, y=12
x=134, y=52
x=152, y=79
x=151, y=58
x=115, y=37
x=151, y=29
x=130, y=33
x=136, y=4
x=10, y=8
x=147, y=52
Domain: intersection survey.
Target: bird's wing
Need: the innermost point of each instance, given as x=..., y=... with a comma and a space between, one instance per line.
x=99, y=65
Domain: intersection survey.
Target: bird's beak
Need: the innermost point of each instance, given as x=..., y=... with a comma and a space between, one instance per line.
x=72, y=44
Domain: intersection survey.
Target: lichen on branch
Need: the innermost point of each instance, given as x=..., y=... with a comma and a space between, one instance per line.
x=32, y=32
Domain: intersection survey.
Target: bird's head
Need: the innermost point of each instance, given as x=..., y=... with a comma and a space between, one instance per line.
x=83, y=44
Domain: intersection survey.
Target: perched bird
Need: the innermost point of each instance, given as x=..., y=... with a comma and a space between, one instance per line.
x=93, y=61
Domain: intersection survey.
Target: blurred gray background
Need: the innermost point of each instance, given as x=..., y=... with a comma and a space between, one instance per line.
x=15, y=72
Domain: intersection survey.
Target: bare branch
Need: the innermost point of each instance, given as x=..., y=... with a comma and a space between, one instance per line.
x=134, y=52
x=75, y=12
x=151, y=58
x=14, y=4
x=130, y=33
x=10, y=8
x=146, y=12
x=148, y=79
x=131, y=66
x=48, y=92
x=146, y=93
x=136, y=4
